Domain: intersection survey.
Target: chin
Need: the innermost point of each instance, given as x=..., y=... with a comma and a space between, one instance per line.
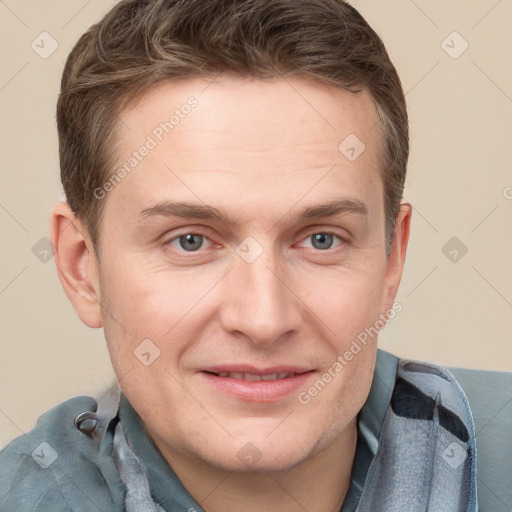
x=263, y=455
x=271, y=462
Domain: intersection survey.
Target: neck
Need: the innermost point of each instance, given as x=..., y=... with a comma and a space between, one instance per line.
x=319, y=484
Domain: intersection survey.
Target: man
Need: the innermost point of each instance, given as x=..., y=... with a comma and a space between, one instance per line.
x=234, y=175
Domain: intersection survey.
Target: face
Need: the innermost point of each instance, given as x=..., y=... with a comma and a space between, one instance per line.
x=241, y=255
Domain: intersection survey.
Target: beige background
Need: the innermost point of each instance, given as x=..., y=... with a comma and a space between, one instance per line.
x=460, y=185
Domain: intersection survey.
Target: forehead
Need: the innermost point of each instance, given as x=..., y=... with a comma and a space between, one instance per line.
x=236, y=137
x=251, y=112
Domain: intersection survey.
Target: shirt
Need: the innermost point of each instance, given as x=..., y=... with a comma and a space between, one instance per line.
x=55, y=467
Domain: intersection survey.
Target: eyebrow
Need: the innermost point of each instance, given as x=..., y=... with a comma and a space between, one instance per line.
x=201, y=211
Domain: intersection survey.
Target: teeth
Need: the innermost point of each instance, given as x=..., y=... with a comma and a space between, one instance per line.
x=252, y=376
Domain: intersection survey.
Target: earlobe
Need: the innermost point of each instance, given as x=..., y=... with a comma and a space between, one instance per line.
x=396, y=258
x=77, y=264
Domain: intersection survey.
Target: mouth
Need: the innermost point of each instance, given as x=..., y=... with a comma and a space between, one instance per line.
x=254, y=385
x=255, y=376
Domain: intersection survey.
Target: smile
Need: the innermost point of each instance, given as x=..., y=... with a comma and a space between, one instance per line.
x=256, y=385
x=254, y=376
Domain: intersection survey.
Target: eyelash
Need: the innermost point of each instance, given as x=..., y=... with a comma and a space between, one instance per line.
x=343, y=241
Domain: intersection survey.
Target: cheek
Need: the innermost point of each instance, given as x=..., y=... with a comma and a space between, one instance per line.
x=356, y=385
x=348, y=303
x=147, y=329
x=141, y=299
x=350, y=309
x=144, y=303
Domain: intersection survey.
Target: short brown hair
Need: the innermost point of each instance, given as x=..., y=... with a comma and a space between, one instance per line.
x=142, y=43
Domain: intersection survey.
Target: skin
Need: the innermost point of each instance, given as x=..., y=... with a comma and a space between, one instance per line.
x=261, y=153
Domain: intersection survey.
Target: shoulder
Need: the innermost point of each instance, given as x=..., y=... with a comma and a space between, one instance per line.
x=490, y=397
x=56, y=467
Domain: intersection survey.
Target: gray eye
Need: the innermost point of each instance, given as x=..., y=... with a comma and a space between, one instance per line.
x=322, y=240
x=191, y=242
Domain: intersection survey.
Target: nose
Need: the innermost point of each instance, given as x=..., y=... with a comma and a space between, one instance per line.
x=260, y=302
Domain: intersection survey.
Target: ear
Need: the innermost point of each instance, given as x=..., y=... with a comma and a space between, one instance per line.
x=77, y=264
x=396, y=258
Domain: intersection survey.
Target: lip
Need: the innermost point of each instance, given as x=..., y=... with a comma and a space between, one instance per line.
x=247, y=368
x=256, y=390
